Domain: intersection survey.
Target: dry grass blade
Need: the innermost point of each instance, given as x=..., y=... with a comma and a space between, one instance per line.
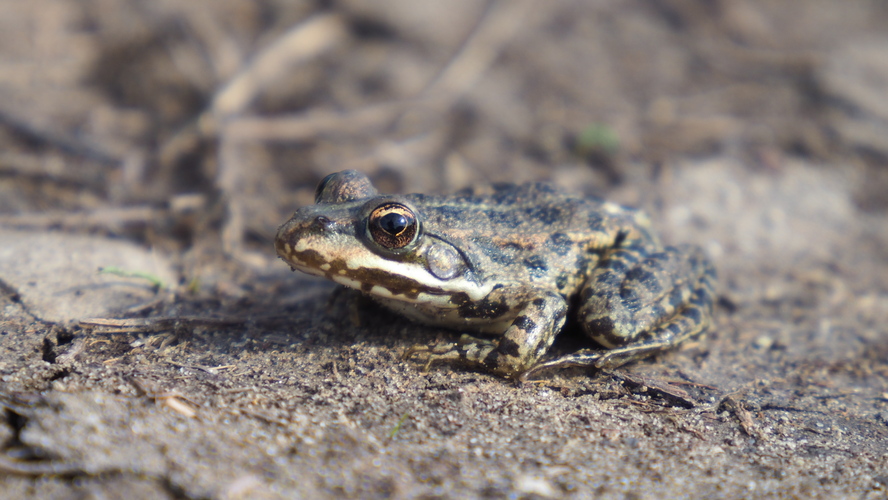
x=300, y=44
x=311, y=124
x=112, y=219
x=492, y=33
x=139, y=325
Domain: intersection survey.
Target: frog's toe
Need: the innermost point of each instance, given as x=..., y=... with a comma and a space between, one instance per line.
x=468, y=350
x=430, y=353
x=587, y=359
x=619, y=357
x=429, y=350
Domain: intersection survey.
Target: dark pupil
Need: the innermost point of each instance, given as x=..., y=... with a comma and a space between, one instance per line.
x=393, y=223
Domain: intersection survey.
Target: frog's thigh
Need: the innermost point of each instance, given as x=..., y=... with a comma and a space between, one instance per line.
x=632, y=296
x=691, y=319
x=527, y=339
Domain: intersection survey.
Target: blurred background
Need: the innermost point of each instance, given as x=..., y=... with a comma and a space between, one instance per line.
x=216, y=118
x=182, y=133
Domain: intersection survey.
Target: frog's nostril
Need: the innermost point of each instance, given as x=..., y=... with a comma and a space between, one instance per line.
x=323, y=223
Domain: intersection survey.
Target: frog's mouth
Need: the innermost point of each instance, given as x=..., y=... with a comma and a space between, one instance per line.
x=377, y=276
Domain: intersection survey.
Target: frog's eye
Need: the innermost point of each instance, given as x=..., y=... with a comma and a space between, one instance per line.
x=393, y=225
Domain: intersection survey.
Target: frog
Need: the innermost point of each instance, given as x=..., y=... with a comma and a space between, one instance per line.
x=505, y=265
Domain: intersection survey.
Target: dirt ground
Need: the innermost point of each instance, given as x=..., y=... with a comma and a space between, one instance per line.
x=165, y=141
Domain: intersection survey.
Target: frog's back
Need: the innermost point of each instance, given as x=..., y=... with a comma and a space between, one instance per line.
x=529, y=233
x=508, y=210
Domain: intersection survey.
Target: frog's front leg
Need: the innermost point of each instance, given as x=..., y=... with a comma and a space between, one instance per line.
x=525, y=341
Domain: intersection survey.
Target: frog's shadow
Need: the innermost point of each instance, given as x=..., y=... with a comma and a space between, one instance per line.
x=351, y=317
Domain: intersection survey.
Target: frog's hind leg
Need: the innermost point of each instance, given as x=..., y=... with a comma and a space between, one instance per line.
x=637, y=306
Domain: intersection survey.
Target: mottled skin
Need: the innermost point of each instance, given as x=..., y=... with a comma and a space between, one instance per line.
x=506, y=260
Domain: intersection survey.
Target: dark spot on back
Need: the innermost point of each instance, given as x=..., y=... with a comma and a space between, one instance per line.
x=545, y=214
x=506, y=218
x=536, y=266
x=518, y=247
x=608, y=279
x=505, y=193
x=642, y=275
x=495, y=253
x=596, y=224
x=560, y=243
x=449, y=213
x=542, y=187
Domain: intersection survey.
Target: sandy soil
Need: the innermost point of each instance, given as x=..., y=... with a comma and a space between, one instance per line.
x=169, y=139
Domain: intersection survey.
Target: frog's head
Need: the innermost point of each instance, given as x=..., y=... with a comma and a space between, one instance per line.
x=374, y=243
